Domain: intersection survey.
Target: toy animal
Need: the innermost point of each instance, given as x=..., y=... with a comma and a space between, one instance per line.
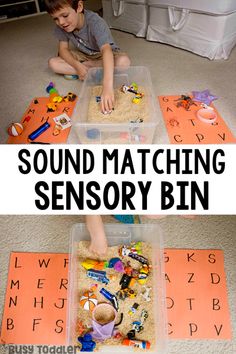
x=185, y=102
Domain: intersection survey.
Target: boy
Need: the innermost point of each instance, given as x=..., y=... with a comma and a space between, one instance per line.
x=92, y=37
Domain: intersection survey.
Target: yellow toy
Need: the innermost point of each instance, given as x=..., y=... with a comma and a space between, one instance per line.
x=94, y=264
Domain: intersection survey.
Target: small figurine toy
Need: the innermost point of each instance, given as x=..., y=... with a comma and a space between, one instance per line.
x=133, y=309
x=54, y=97
x=138, y=258
x=146, y=293
x=125, y=281
x=138, y=325
x=185, y=102
x=143, y=274
x=138, y=96
x=88, y=300
x=128, y=269
x=80, y=328
x=88, y=345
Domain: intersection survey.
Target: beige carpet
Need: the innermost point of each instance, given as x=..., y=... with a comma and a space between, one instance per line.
x=26, y=46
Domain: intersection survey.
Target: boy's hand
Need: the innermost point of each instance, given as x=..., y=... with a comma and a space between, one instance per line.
x=107, y=100
x=98, y=246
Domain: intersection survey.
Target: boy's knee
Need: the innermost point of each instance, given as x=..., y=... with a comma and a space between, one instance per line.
x=52, y=63
x=122, y=60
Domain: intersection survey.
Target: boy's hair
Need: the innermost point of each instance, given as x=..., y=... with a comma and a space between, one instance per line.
x=54, y=5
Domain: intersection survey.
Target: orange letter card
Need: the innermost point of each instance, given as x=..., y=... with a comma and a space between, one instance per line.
x=36, y=299
x=37, y=114
x=197, y=303
x=184, y=127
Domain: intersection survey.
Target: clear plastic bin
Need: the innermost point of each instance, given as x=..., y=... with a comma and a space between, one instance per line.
x=115, y=133
x=118, y=234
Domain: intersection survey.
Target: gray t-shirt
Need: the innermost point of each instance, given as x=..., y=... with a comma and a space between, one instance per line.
x=91, y=37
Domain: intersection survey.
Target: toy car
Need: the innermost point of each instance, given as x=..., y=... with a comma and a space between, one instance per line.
x=98, y=275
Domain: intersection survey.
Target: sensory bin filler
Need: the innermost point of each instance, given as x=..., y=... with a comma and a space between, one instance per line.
x=115, y=299
x=134, y=117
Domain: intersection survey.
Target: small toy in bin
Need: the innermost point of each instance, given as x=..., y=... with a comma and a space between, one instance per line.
x=133, y=309
x=143, y=274
x=88, y=300
x=133, y=248
x=124, y=293
x=94, y=264
x=98, y=275
x=146, y=293
x=141, y=344
x=126, y=281
x=87, y=343
x=113, y=261
x=80, y=327
x=128, y=269
x=103, y=321
x=119, y=266
x=138, y=325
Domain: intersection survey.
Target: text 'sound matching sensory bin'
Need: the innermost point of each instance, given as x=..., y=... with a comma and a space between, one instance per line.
x=118, y=304
x=134, y=118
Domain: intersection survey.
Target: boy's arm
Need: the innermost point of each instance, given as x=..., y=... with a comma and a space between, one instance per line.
x=107, y=97
x=95, y=227
x=65, y=53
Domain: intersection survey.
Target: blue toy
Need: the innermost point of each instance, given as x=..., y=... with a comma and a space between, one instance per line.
x=128, y=219
x=113, y=261
x=93, y=133
x=88, y=345
x=98, y=275
x=111, y=297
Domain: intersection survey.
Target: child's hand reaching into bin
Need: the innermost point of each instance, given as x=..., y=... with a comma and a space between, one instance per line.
x=98, y=244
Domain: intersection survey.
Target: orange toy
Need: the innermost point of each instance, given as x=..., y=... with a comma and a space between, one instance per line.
x=15, y=129
x=88, y=300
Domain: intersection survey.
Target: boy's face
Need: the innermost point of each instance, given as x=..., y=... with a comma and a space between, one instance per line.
x=67, y=18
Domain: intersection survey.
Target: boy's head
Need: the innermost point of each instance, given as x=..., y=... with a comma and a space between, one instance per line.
x=65, y=13
x=54, y=5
